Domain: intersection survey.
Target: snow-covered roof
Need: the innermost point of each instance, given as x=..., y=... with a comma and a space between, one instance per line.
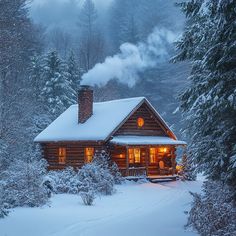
x=107, y=116
x=145, y=140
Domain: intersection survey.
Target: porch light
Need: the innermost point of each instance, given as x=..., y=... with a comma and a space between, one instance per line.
x=163, y=149
x=179, y=168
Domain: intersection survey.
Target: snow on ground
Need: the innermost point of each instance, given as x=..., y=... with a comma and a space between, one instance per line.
x=135, y=209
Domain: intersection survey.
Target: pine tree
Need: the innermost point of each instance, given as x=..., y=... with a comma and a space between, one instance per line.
x=91, y=48
x=187, y=172
x=24, y=183
x=74, y=74
x=209, y=110
x=209, y=104
x=57, y=92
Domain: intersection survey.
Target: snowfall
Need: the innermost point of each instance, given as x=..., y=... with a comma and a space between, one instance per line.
x=138, y=209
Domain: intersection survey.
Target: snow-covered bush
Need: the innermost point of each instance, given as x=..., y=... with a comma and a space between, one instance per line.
x=3, y=206
x=103, y=160
x=118, y=179
x=88, y=197
x=63, y=181
x=93, y=176
x=3, y=211
x=23, y=184
x=215, y=205
x=187, y=171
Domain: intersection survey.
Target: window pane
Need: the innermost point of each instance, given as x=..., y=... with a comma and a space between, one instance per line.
x=62, y=155
x=131, y=155
x=153, y=155
x=137, y=155
x=89, y=153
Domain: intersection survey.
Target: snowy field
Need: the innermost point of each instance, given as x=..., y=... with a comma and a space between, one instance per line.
x=135, y=209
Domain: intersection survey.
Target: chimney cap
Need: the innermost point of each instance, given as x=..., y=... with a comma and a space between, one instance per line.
x=85, y=87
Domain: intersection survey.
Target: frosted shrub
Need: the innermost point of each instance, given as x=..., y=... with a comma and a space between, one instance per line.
x=217, y=206
x=95, y=178
x=63, y=181
x=24, y=184
x=92, y=176
x=187, y=172
x=3, y=206
x=88, y=197
x=104, y=161
x=3, y=210
x=116, y=173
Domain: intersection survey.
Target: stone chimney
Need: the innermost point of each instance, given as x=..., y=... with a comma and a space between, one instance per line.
x=85, y=103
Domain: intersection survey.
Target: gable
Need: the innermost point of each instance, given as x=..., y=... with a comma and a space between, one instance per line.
x=152, y=124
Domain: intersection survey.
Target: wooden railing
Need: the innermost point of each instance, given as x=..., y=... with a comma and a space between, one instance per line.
x=134, y=171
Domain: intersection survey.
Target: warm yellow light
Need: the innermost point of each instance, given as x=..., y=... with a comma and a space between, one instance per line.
x=121, y=155
x=163, y=149
x=89, y=152
x=179, y=168
x=140, y=122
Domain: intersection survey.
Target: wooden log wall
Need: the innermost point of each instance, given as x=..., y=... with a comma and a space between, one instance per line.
x=118, y=155
x=151, y=126
x=75, y=153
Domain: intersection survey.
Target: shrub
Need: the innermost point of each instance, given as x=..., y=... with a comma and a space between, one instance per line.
x=3, y=206
x=93, y=176
x=88, y=197
x=213, y=212
x=24, y=184
x=63, y=181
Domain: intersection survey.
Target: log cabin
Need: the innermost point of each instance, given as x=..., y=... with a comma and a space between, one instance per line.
x=134, y=134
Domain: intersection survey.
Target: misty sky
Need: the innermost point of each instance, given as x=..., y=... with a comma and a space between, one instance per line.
x=52, y=13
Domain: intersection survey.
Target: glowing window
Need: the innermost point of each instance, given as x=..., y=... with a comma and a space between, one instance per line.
x=89, y=153
x=153, y=155
x=62, y=155
x=163, y=149
x=134, y=155
x=140, y=122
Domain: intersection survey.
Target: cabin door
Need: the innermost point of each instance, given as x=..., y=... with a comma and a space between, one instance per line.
x=137, y=157
x=137, y=161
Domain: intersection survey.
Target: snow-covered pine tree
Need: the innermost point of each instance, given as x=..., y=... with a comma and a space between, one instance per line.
x=209, y=108
x=187, y=171
x=74, y=74
x=103, y=160
x=57, y=90
x=3, y=206
x=209, y=104
x=24, y=183
x=214, y=212
x=91, y=48
x=96, y=175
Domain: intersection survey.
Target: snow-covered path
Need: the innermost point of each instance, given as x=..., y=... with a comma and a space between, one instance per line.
x=136, y=209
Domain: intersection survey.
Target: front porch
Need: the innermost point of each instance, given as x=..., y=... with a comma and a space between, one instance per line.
x=146, y=157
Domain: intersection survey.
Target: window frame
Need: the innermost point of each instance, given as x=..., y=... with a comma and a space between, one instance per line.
x=140, y=122
x=153, y=157
x=62, y=155
x=134, y=158
x=88, y=158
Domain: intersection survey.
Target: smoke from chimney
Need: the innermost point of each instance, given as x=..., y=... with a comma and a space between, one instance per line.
x=132, y=59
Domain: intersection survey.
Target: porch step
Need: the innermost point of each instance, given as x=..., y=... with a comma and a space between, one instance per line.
x=154, y=179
